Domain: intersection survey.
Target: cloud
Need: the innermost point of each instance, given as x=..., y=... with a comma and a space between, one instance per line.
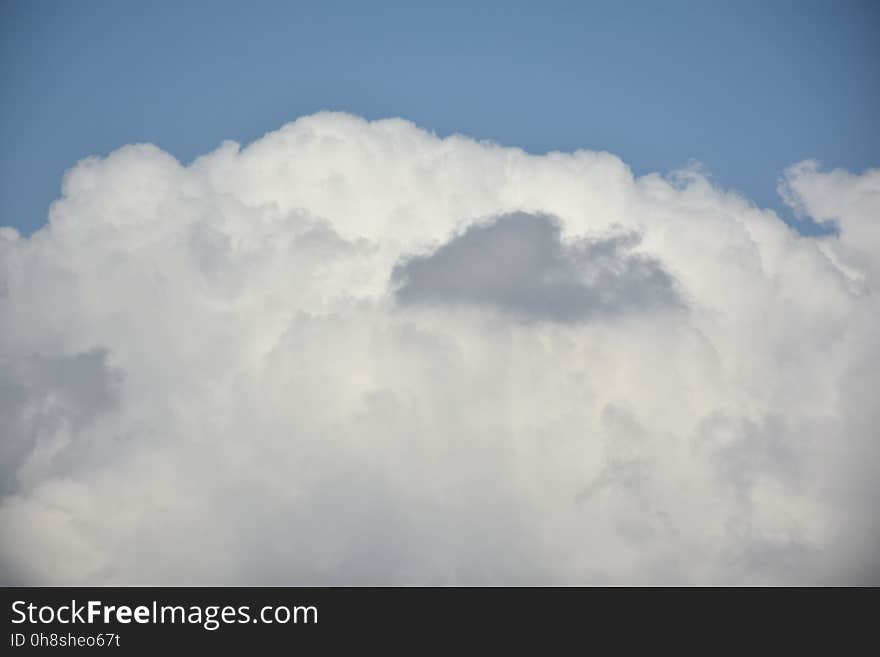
x=518, y=264
x=353, y=352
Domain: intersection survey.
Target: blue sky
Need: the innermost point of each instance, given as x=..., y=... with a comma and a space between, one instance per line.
x=747, y=88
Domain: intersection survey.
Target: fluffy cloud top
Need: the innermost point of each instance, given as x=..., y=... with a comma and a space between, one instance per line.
x=354, y=352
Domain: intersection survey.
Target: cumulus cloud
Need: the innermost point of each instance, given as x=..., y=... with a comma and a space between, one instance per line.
x=353, y=352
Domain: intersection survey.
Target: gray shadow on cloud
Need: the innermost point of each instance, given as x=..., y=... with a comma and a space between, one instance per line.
x=42, y=395
x=518, y=263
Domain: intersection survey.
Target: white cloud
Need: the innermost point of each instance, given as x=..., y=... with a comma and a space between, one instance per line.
x=207, y=375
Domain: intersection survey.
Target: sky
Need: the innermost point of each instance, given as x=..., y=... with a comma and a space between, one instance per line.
x=745, y=88
x=410, y=295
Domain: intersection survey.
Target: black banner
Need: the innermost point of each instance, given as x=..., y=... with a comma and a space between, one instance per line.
x=547, y=620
